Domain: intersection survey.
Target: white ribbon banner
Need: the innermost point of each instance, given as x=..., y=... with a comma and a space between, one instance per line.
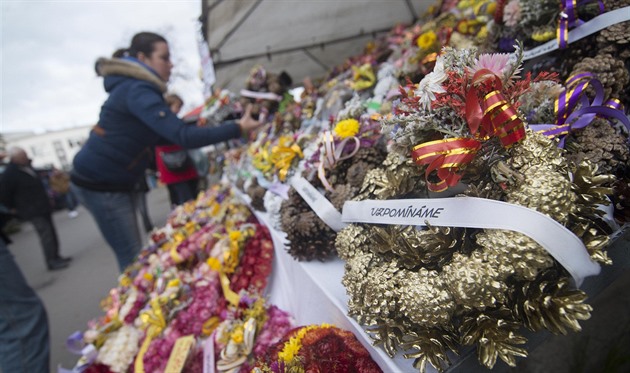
x=472, y=212
x=207, y=65
x=261, y=95
x=320, y=205
x=596, y=24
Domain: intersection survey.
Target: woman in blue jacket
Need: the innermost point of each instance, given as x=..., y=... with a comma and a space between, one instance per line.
x=133, y=120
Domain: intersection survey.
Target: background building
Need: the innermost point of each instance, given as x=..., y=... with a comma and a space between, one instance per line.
x=55, y=148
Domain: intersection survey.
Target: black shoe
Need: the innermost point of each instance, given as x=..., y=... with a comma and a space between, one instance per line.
x=65, y=259
x=57, y=264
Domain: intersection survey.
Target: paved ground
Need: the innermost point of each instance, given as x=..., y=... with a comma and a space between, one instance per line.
x=72, y=295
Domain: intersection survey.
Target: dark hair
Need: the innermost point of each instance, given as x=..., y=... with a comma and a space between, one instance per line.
x=142, y=42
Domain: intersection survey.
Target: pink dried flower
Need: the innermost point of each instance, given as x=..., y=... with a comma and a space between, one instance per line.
x=495, y=62
x=512, y=13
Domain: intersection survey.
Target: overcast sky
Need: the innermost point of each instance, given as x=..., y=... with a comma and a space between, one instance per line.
x=49, y=48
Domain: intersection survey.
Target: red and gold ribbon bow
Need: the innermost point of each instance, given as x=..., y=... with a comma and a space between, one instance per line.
x=446, y=157
x=502, y=117
x=494, y=116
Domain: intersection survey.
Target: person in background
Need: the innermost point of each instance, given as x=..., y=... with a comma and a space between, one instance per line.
x=133, y=120
x=142, y=188
x=59, y=182
x=22, y=191
x=24, y=334
x=182, y=183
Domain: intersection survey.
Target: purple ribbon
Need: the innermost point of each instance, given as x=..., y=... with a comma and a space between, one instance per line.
x=569, y=119
x=77, y=346
x=569, y=19
x=75, y=343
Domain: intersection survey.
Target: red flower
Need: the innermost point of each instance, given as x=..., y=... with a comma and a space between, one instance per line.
x=259, y=282
x=263, y=269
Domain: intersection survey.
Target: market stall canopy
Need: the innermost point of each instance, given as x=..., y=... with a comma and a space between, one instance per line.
x=303, y=38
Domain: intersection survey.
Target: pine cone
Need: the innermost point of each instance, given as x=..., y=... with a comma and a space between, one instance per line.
x=304, y=223
x=495, y=334
x=316, y=248
x=536, y=149
x=543, y=183
x=621, y=200
x=389, y=333
x=351, y=241
x=544, y=190
x=592, y=190
x=310, y=238
x=484, y=189
x=354, y=169
x=615, y=4
x=611, y=72
x=568, y=58
x=430, y=346
x=380, y=294
x=354, y=280
x=424, y=298
x=356, y=173
x=372, y=155
x=474, y=283
x=257, y=194
x=600, y=143
x=341, y=194
x=550, y=302
x=525, y=256
x=431, y=247
x=617, y=35
x=398, y=177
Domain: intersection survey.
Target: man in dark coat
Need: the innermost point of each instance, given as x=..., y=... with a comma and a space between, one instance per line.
x=24, y=332
x=22, y=191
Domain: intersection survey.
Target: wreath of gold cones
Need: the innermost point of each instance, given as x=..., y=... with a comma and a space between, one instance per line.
x=424, y=292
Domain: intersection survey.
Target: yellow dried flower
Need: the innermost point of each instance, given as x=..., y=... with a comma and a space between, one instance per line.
x=292, y=347
x=124, y=281
x=347, y=128
x=543, y=35
x=214, y=264
x=426, y=40
x=190, y=227
x=483, y=32
x=178, y=237
x=173, y=283
x=235, y=235
x=215, y=208
x=148, y=276
x=237, y=334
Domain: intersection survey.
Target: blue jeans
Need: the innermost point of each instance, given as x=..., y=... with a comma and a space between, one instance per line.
x=183, y=191
x=71, y=200
x=24, y=341
x=115, y=215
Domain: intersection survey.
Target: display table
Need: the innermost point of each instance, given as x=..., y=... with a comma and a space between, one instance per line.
x=313, y=293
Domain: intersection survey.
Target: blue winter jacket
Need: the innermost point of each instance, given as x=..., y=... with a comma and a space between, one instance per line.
x=132, y=121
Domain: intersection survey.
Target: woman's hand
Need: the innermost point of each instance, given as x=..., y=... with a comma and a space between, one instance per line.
x=247, y=123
